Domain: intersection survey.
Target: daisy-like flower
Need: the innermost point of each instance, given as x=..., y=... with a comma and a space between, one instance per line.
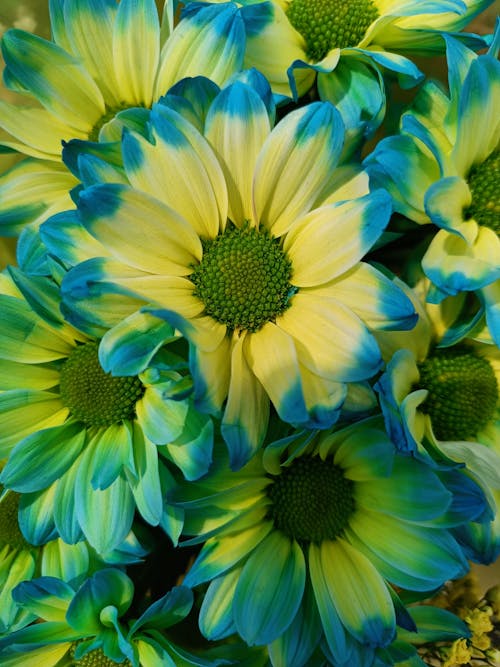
x=444, y=403
x=440, y=169
x=21, y=560
x=292, y=40
x=90, y=624
x=253, y=255
x=108, y=62
x=86, y=447
x=309, y=538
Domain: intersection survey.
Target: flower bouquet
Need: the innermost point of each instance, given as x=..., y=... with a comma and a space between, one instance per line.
x=250, y=341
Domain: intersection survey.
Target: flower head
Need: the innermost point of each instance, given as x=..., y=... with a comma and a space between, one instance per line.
x=442, y=402
x=290, y=41
x=20, y=560
x=308, y=537
x=87, y=447
x=107, y=63
x=254, y=257
x=91, y=624
x=441, y=170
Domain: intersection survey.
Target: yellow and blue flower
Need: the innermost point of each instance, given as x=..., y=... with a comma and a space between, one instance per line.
x=309, y=538
x=86, y=447
x=442, y=170
x=442, y=403
x=105, y=66
x=91, y=624
x=290, y=41
x=21, y=560
x=254, y=255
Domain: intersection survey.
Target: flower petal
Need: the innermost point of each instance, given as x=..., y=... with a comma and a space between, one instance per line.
x=208, y=41
x=272, y=356
x=35, y=132
x=136, y=50
x=269, y=590
x=454, y=266
x=42, y=457
x=105, y=515
x=180, y=158
x=216, y=613
x=216, y=558
x=428, y=554
x=358, y=593
x=161, y=419
x=246, y=416
x=32, y=191
x=145, y=482
x=296, y=165
x=337, y=236
x=376, y=299
x=400, y=495
x=238, y=117
x=335, y=633
x=314, y=322
x=139, y=230
x=54, y=77
x=88, y=30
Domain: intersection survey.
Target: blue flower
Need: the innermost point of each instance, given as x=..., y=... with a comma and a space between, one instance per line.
x=440, y=169
x=87, y=447
x=254, y=257
x=306, y=538
x=107, y=63
x=91, y=623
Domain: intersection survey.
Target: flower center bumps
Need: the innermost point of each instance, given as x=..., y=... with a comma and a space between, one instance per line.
x=243, y=278
x=10, y=533
x=311, y=500
x=463, y=393
x=484, y=184
x=331, y=24
x=95, y=658
x=93, y=396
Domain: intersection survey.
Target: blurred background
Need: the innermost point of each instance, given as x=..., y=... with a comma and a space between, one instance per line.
x=32, y=15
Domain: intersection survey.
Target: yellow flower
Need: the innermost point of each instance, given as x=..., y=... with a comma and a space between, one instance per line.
x=479, y=622
x=459, y=654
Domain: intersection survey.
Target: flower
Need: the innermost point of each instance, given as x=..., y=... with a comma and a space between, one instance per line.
x=442, y=402
x=88, y=624
x=86, y=447
x=21, y=561
x=441, y=170
x=309, y=538
x=108, y=62
x=254, y=256
x=290, y=41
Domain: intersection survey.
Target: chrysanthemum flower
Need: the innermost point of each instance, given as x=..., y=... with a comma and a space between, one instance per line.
x=290, y=40
x=309, y=538
x=444, y=402
x=443, y=168
x=253, y=255
x=88, y=448
x=87, y=624
x=106, y=61
x=21, y=561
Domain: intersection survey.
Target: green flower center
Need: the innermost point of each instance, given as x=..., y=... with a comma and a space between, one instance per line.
x=95, y=658
x=93, y=396
x=463, y=392
x=243, y=278
x=331, y=24
x=484, y=184
x=10, y=534
x=311, y=500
